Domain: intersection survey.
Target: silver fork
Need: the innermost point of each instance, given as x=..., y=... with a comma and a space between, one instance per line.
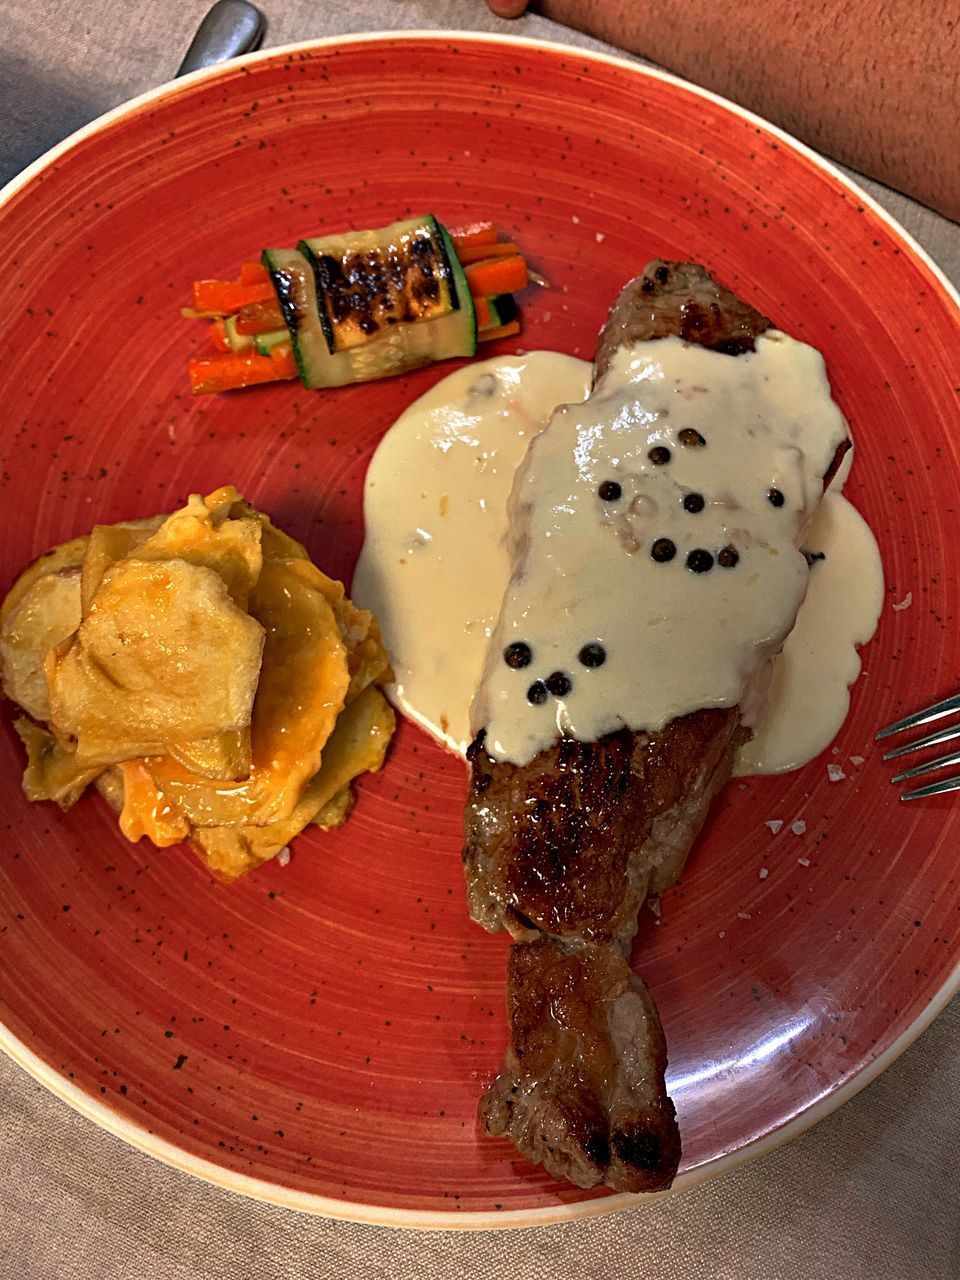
x=936, y=712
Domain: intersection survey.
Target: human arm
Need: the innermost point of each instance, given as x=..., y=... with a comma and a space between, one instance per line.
x=873, y=83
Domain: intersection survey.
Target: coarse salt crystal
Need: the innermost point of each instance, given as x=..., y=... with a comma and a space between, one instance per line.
x=774, y=824
x=653, y=903
x=857, y=761
x=764, y=873
x=283, y=857
x=835, y=773
x=834, y=751
x=743, y=915
x=798, y=827
x=804, y=862
x=574, y=218
x=722, y=933
x=600, y=237
x=905, y=603
x=838, y=936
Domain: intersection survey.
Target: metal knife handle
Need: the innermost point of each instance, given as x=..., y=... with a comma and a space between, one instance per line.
x=231, y=27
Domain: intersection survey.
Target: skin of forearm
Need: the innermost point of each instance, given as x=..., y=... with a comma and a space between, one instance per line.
x=873, y=83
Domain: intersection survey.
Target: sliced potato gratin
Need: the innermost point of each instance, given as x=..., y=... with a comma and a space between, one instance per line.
x=203, y=673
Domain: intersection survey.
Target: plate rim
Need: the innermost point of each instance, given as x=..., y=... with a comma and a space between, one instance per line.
x=274, y=1193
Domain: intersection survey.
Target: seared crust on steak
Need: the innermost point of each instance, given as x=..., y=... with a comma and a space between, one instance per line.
x=572, y=843
x=562, y=852
x=678, y=299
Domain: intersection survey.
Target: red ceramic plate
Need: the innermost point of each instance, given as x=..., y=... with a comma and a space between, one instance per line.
x=318, y=1035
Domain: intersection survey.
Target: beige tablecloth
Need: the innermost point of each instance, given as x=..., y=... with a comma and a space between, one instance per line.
x=872, y=1191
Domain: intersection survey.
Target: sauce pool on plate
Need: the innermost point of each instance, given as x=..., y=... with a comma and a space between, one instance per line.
x=436, y=564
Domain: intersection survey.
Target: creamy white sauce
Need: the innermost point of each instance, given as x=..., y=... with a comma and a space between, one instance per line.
x=808, y=697
x=584, y=569
x=434, y=564
x=436, y=568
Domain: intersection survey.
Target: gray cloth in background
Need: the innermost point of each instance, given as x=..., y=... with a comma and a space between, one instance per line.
x=872, y=1191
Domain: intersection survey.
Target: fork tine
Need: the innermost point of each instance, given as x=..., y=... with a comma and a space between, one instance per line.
x=922, y=717
x=933, y=789
x=944, y=708
x=940, y=763
x=931, y=740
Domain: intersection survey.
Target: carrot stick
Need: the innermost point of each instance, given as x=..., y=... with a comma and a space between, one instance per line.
x=231, y=372
x=482, y=309
x=480, y=252
x=260, y=317
x=473, y=233
x=503, y=331
x=497, y=275
x=253, y=273
x=226, y=296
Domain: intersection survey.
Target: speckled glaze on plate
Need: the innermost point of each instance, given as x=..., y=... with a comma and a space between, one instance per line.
x=318, y=1035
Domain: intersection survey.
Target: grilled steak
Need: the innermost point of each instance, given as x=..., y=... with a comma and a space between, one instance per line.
x=582, y=1086
x=573, y=842
x=563, y=850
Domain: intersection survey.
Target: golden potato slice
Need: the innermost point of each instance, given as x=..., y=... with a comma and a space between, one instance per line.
x=336, y=811
x=357, y=745
x=230, y=852
x=303, y=684
x=110, y=785
x=163, y=656
x=107, y=544
x=223, y=758
x=208, y=537
x=51, y=772
x=68, y=555
x=276, y=544
x=203, y=533
x=367, y=658
x=224, y=503
x=46, y=615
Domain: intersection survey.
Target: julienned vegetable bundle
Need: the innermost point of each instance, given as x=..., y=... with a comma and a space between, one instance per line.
x=358, y=306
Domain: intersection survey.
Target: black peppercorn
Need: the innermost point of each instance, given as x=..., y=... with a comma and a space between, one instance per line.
x=518, y=655
x=693, y=502
x=659, y=455
x=700, y=561
x=728, y=557
x=775, y=498
x=663, y=550
x=690, y=437
x=559, y=684
x=537, y=693
x=592, y=655
x=609, y=491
